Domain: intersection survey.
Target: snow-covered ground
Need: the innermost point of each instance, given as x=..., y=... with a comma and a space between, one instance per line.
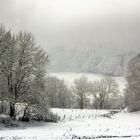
x=121, y=126
x=69, y=78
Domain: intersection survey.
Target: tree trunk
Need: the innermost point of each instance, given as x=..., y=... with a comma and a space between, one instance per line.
x=12, y=110
x=26, y=116
x=101, y=105
x=81, y=104
x=16, y=92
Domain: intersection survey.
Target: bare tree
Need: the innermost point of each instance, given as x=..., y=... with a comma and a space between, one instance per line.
x=22, y=67
x=103, y=89
x=132, y=92
x=81, y=89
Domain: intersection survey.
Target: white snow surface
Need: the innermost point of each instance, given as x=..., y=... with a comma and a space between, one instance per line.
x=121, y=126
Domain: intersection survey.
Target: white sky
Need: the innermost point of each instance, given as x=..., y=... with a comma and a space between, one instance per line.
x=68, y=10
x=59, y=22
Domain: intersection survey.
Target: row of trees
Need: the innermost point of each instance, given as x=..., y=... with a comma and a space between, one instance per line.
x=83, y=93
x=22, y=70
x=103, y=93
x=58, y=93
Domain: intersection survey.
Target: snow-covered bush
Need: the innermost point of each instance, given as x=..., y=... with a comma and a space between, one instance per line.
x=20, y=109
x=133, y=107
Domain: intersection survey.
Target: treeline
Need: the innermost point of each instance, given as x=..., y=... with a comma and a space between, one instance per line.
x=100, y=94
x=101, y=57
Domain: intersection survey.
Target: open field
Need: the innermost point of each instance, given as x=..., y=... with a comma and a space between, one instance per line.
x=95, y=124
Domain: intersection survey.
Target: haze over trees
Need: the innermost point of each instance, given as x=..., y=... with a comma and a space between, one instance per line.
x=104, y=57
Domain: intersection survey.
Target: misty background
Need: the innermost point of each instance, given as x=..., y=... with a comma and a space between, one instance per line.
x=95, y=36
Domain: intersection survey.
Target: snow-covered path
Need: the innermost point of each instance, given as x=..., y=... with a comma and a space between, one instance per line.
x=122, y=126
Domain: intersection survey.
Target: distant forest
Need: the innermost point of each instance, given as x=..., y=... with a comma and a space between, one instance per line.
x=105, y=57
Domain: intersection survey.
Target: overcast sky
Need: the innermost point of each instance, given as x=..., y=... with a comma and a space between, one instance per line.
x=66, y=22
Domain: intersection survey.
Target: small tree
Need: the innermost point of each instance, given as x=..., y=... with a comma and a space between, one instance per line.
x=103, y=89
x=81, y=89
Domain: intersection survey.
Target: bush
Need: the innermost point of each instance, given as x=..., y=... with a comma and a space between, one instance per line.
x=133, y=107
x=52, y=118
x=9, y=122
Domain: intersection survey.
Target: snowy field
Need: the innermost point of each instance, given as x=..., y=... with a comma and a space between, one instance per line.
x=80, y=124
x=69, y=78
x=121, y=126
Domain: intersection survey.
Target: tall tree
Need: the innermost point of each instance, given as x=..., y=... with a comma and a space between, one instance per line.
x=81, y=89
x=22, y=66
x=132, y=93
